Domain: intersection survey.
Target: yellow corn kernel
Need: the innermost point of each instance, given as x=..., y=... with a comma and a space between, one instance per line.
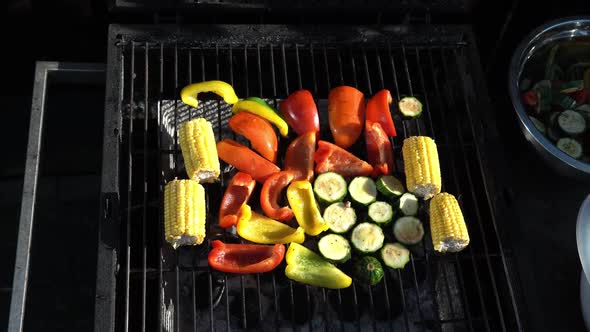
x=199, y=151
x=421, y=166
x=184, y=212
x=447, y=225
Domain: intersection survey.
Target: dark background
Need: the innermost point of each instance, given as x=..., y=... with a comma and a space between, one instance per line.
x=61, y=293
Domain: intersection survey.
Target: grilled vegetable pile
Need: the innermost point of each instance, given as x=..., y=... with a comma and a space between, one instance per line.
x=556, y=92
x=358, y=212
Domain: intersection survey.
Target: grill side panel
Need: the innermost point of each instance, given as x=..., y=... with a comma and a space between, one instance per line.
x=108, y=230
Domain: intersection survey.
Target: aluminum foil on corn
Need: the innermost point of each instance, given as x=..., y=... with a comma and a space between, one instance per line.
x=447, y=225
x=184, y=213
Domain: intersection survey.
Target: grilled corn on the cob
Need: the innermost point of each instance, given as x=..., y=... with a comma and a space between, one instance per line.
x=422, y=166
x=199, y=152
x=184, y=212
x=447, y=226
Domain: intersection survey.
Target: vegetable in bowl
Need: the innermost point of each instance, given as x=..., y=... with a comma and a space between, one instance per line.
x=555, y=87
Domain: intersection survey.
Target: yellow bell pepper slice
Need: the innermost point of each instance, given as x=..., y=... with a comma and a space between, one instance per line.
x=305, y=266
x=189, y=93
x=264, y=112
x=305, y=207
x=261, y=229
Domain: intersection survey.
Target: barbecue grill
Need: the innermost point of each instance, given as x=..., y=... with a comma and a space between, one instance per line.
x=144, y=284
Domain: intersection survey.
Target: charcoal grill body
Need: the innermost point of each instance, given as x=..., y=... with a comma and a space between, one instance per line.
x=143, y=284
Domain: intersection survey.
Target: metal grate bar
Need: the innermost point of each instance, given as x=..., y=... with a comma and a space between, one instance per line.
x=211, y=319
x=313, y=74
x=259, y=67
x=326, y=66
x=382, y=85
x=474, y=264
x=395, y=80
x=285, y=69
x=387, y=303
x=406, y=67
x=327, y=70
x=477, y=211
x=394, y=72
x=489, y=202
x=428, y=253
x=194, y=298
x=145, y=189
x=292, y=299
x=243, y=291
x=129, y=187
x=356, y=306
x=260, y=93
x=354, y=77
x=190, y=117
x=160, y=193
x=298, y=66
x=286, y=79
x=440, y=105
x=297, y=61
x=370, y=90
x=274, y=94
x=339, y=57
x=176, y=123
x=416, y=288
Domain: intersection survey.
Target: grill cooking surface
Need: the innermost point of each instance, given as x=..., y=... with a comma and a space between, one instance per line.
x=158, y=288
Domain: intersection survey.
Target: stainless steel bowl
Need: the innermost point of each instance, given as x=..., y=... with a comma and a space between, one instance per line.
x=555, y=31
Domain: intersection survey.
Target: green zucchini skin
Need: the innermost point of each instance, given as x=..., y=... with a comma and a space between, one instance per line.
x=408, y=230
x=381, y=213
x=335, y=248
x=368, y=270
x=390, y=186
x=410, y=107
x=340, y=217
x=363, y=190
x=330, y=187
x=367, y=237
x=395, y=255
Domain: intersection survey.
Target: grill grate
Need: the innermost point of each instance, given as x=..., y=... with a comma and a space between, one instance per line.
x=157, y=287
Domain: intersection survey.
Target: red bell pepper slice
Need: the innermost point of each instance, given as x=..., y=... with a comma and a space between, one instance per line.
x=258, y=131
x=301, y=112
x=237, y=194
x=270, y=196
x=378, y=111
x=379, y=151
x=530, y=98
x=299, y=156
x=346, y=115
x=330, y=157
x=245, y=258
x=582, y=96
x=246, y=160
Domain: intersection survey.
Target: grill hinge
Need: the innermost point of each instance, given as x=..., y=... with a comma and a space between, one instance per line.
x=110, y=207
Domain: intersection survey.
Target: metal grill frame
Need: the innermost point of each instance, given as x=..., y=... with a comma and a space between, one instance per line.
x=111, y=264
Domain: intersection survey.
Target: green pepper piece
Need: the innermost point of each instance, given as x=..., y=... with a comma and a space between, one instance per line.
x=264, y=111
x=305, y=266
